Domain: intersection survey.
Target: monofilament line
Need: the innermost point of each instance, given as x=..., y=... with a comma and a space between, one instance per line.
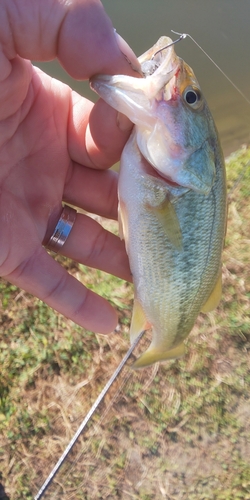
x=86, y=420
x=184, y=35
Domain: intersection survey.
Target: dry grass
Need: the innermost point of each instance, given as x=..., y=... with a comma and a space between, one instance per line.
x=180, y=430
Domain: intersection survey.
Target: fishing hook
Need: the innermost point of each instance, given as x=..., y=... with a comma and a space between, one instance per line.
x=181, y=37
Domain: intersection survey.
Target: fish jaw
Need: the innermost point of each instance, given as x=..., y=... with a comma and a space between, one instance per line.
x=172, y=134
x=133, y=96
x=127, y=95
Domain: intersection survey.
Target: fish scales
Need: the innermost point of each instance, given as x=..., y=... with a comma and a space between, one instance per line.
x=165, y=288
x=172, y=198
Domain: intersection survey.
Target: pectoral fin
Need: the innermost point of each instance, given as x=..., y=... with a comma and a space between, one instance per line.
x=139, y=321
x=166, y=214
x=152, y=355
x=215, y=297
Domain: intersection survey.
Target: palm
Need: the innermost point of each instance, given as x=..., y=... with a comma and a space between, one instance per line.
x=33, y=187
x=56, y=146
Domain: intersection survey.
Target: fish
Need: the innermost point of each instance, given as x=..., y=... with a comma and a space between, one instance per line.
x=172, y=198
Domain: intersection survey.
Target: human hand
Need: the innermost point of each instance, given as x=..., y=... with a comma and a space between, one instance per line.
x=56, y=145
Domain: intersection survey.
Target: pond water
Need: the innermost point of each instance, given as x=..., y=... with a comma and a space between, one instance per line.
x=222, y=30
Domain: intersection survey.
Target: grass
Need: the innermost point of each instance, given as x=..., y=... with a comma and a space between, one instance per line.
x=179, y=430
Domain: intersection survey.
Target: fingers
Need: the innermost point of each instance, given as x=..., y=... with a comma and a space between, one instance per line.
x=78, y=32
x=88, y=43
x=13, y=88
x=90, y=244
x=92, y=190
x=45, y=278
x=95, y=137
x=81, y=35
x=104, y=138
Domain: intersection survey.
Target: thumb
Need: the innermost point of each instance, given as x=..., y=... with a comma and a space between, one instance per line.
x=78, y=32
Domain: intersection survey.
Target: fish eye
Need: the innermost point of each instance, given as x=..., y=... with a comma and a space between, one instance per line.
x=192, y=97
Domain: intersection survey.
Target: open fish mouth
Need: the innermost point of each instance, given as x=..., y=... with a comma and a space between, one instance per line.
x=134, y=96
x=161, y=58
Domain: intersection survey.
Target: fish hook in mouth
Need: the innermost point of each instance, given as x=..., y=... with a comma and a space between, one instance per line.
x=181, y=37
x=156, y=61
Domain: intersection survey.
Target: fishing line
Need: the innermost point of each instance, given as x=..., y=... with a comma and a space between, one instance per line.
x=96, y=429
x=84, y=423
x=184, y=35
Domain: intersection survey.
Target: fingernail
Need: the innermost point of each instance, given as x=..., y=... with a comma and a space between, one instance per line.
x=128, y=53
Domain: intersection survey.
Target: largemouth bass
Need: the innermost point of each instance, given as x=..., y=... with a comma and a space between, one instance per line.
x=172, y=198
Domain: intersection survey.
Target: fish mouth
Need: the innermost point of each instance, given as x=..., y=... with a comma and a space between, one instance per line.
x=135, y=97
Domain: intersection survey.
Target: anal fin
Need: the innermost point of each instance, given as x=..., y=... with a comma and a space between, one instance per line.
x=214, y=298
x=139, y=321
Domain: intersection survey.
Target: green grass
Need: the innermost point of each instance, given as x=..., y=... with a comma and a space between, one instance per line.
x=179, y=430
